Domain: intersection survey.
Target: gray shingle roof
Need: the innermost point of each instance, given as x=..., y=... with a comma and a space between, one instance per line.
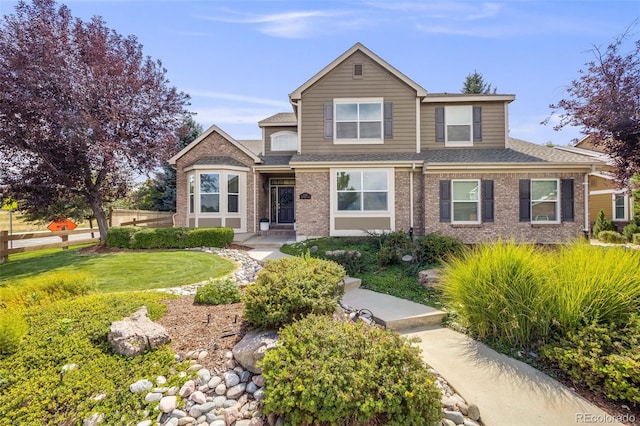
x=252, y=145
x=215, y=161
x=280, y=118
x=276, y=160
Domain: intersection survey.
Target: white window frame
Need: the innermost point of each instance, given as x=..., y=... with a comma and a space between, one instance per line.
x=556, y=201
x=277, y=135
x=477, y=201
x=229, y=193
x=219, y=193
x=449, y=121
x=191, y=191
x=358, y=139
x=625, y=207
x=361, y=191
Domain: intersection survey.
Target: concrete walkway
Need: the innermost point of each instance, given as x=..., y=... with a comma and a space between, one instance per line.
x=508, y=392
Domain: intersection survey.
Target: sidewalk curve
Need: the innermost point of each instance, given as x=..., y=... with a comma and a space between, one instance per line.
x=508, y=392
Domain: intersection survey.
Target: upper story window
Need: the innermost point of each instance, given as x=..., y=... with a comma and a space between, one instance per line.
x=459, y=125
x=358, y=120
x=284, y=141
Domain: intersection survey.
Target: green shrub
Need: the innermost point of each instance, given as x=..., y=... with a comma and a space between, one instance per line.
x=218, y=292
x=288, y=289
x=604, y=357
x=612, y=237
x=351, y=260
x=394, y=245
x=497, y=291
x=602, y=224
x=343, y=373
x=435, y=248
x=636, y=239
x=120, y=236
x=13, y=328
x=168, y=238
x=210, y=237
x=46, y=288
x=591, y=283
x=630, y=229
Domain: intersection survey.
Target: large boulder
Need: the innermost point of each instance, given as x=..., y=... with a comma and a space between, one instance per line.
x=251, y=349
x=134, y=334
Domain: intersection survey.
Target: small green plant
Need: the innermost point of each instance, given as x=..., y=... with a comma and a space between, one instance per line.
x=291, y=288
x=630, y=229
x=435, y=248
x=393, y=246
x=611, y=237
x=13, y=328
x=602, y=224
x=218, y=292
x=636, y=239
x=343, y=373
x=603, y=356
x=351, y=260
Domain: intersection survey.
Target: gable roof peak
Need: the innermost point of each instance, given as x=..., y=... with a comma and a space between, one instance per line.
x=297, y=94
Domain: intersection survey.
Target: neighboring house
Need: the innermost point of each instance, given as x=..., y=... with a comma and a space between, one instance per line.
x=604, y=192
x=366, y=149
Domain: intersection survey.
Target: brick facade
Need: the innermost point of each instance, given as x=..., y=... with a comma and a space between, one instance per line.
x=506, y=222
x=213, y=145
x=312, y=215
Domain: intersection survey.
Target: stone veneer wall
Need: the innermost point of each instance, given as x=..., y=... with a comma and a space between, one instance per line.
x=212, y=145
x=312, y=216
x=506, y=222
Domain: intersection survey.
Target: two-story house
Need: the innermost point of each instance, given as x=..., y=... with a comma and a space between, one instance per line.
x=367, y=149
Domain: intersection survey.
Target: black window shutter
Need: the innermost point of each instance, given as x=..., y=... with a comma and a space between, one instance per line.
x=567, y=200
x=477, y=124
x=525, y=200
x=439, y=124
x=388, y=120
x=487, y=201
x=328, y=121
x=445, y=201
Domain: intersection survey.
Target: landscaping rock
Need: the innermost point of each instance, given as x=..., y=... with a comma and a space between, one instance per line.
x=474, y=412
x=135, y=334
x=252, y=348
x=168, y=404
x=140, y=386
x=429, y=278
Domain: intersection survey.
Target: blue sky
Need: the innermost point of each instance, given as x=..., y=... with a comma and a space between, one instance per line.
x=239, y=60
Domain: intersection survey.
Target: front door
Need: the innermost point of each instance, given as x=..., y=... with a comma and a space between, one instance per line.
x=286, y=211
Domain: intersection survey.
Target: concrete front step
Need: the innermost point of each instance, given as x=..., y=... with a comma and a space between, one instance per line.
x=351, y=283
x=398, y=314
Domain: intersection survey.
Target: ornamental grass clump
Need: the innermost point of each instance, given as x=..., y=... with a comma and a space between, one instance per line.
x=329, y=372
x=591, y=283
x=497, y=291
x=291, y=288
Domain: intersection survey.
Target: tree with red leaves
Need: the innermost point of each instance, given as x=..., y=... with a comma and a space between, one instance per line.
x=605, y=103
x=81, y=110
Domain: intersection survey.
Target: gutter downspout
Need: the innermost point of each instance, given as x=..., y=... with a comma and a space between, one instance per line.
x=413, y=169
x=255, y=201
x=585, y=186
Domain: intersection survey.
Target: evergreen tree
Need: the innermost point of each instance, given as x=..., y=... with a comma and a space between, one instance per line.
x=474, y=85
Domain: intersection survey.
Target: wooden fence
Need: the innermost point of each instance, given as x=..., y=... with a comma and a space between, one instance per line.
x=64, y=242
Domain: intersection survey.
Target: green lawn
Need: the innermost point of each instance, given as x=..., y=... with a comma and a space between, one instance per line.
x=125, y=271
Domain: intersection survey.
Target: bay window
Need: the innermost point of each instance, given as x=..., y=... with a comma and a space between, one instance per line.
x=209, y=192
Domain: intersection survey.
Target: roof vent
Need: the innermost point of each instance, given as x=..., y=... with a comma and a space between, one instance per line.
x=357, y=71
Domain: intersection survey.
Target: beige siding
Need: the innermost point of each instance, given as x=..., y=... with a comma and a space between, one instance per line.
x=600, y=202
x=339, y=83
x=362, y=223
x=268, y=131
x=493, y=125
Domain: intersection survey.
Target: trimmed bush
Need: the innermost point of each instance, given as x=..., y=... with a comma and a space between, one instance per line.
x=602, y=224
x=629, y=230
x=120, y=236
x=351, y=260
x=612, y=237
x=13, y=328
x=291, y=288
x=168, y=238
x=604, y=357
x=394, y=246
x=436, y=248
x=343, y=373
x=497, y=290
x=218, y=292
x=210, y=237
x=46, y=288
